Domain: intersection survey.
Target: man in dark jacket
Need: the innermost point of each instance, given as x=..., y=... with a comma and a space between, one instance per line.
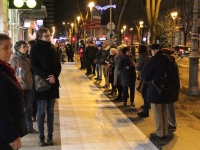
x=70, y=52
x=159, y=66
x=90, y=56
x=45, y=63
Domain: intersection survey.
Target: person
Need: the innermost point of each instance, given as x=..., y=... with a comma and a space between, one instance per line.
x=117, y=73
x=45, y=62
x=111, y=66
x=34, y=108
x=80, y=51
x=12, y=119
x=159, y=66
x=21, y=65
x=175, y=88
x=105, y=54
x=62, y=52
x=128, y=75
x=91, y=50
x=98, y=63
x=69, y=52
x=142, y=60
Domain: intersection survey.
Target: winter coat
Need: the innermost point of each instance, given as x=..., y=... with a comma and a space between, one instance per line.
x=90, y=52
x=158, y=66
x=81, y=50
x=142, y=60
x=19, y=60
x=44, y=62
x=111, y=68
x=98, y=56
x=128, y=75
x=12, y=119
x=117, y=73
x=69, y=50
x=105, y=54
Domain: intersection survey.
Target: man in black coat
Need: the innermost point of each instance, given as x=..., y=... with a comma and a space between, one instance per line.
x=91, y=50
x=160, y=65
x=45, y=62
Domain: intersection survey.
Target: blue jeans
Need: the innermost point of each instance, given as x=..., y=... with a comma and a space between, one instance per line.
x=49, y=105
x=99, y=71
x=28, y=101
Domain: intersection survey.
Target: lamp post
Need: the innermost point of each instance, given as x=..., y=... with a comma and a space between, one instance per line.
x=173, y=15
x=91, y=5
x=78, y=20
x=124, y=29
x=131, y=29
x=193, y=88
x=141, y=23
x=72, y=32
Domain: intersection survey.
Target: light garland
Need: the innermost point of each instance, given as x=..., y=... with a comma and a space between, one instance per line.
x=105, y=7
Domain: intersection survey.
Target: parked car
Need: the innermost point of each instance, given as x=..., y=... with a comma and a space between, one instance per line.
x=182, y=50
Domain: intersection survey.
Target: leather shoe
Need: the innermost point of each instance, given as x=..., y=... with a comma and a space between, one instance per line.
x=117, y=99
x=154, y=135
x=141, y=114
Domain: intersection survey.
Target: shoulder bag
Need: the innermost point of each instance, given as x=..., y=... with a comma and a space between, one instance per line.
x=41, y=84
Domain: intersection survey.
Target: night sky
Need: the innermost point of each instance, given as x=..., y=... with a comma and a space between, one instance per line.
x=66, y=10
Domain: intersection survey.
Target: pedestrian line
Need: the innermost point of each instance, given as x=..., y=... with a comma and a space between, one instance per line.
x=89, y=120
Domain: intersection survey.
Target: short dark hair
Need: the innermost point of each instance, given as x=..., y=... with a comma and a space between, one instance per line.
x=142, y=49
x=40, y=32
x=18, y=44
x=31, y=42
x=125, y=49
x=4, y=37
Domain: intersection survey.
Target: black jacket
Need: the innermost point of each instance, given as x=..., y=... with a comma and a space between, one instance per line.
x=159, y=66
x=128, y=75
x=90, y=52
x=44, y=62
x=12, y=121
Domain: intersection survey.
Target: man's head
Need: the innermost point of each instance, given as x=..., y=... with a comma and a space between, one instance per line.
x=91, y=43
x=155, y=48
x=106, y=43
x=43, y=34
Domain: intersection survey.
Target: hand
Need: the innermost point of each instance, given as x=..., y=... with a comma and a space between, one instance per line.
x=16, y=144
x=51, y=79
x=127, y=67
x=19, y=79
x=134, y=63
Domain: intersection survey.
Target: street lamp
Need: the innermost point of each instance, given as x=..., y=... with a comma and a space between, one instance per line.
x=131, y=29
x=91, y=5
x=141, y=23
x=174, y=15
x=122, y=30
x=124, y=27
x=72, y=24
x=29, y=3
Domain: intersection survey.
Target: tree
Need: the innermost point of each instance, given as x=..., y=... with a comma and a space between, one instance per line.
x=121, y=4
x=186, y=15
x=152, y=10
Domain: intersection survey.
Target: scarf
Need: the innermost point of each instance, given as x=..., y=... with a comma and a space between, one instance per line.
x=11, y=74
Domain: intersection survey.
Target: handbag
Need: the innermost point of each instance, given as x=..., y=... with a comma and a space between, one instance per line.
x=161, y=85
x=140, y=86
x=41, y=84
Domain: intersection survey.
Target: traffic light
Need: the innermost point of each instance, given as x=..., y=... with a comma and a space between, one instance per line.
x=28, y=4
x=126, y=38
x=73, y=39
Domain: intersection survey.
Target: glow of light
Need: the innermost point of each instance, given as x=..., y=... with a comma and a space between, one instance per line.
x=31, y=3
x=18, y=3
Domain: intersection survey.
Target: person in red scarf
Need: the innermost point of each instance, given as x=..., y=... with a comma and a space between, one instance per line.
x=12, y=120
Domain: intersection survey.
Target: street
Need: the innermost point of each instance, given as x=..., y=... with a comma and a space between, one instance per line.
x=184, y=71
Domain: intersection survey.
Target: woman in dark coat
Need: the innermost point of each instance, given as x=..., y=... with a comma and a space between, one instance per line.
x=12, y=120
x=128, y=75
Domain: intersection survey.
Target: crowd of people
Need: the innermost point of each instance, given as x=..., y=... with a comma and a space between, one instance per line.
x=21, y=102
x=122, y=69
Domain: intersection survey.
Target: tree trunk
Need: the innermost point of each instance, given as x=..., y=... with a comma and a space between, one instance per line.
x=185, y=38
x=119, y=24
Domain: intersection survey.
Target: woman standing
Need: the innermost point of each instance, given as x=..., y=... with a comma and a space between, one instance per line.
x=21, y=65
x=128, y=75
x=12, y=122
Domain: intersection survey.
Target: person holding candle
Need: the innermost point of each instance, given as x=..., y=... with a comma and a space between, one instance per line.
x=45, y=62
x=12, y=119
x=21, y=65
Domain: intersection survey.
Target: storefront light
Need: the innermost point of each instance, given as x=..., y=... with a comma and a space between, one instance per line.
x=18, y=3
x=31, y=3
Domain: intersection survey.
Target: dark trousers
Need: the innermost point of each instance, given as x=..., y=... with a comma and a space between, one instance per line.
x=119, y=89
x=34, y=110
x=82, y=63
x=90, y=63
x=132, y=93
x=144, y=96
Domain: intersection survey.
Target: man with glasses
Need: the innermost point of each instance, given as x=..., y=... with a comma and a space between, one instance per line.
x=45, y=62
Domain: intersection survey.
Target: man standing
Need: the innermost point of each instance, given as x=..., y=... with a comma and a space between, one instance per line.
x=90, y=52
x=45, y=63
x=159, y=66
